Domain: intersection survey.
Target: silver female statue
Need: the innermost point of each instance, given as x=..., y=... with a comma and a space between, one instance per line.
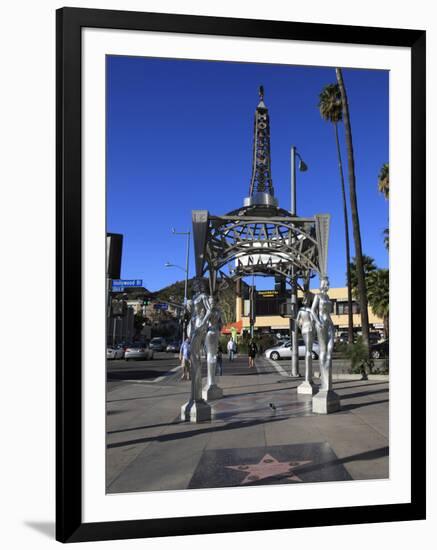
x=197, y=409
x=199, y=326
x=326, y=400
x=211, y=390
x=321, y=312
x=305, y=322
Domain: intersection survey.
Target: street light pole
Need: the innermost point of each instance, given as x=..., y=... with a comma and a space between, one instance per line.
x=293, y=181
x=186, y=268
x=293, y=294
x=187, y=261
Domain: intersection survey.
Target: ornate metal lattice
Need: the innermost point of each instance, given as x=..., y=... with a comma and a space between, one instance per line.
x=260, y=238
x=252, y=242
x=261, y=180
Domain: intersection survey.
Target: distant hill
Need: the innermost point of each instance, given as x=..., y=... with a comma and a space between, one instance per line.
x=175, y=293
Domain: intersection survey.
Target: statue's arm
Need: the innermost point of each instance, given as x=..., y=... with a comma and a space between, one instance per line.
x=315, y=311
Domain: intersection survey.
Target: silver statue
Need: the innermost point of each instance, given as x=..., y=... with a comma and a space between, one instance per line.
x=212, y=391
x=305, y=322
x=326, y=400
x=197, y=409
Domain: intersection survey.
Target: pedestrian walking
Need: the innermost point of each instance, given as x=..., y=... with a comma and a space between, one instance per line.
x=219, y=362
x=231, y=349
x=252, y=350
x=184, y=357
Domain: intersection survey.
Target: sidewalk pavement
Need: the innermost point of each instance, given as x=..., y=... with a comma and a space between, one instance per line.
x=248, y=442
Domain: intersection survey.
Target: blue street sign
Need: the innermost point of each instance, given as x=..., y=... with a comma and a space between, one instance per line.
x=160, y=306
x=120, y=284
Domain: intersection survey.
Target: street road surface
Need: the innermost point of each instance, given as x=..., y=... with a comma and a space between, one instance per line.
x=165, y=368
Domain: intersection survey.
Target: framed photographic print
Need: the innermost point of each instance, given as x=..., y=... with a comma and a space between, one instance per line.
x=240, y=251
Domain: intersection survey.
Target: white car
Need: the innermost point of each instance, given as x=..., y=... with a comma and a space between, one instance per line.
x=138, y=351
x=283, y=351
x=114, y=352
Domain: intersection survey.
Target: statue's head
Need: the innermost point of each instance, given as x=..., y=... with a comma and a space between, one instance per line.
x=307, y=299
x=324, y=284
x=199, y=286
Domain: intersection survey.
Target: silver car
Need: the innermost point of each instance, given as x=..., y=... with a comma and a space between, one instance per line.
x=138, y=351
x=283, y=351
x=114, y=352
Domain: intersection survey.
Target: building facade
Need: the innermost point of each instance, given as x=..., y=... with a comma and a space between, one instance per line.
x=269, y=320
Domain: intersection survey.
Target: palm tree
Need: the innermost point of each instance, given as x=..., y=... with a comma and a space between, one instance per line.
x=369, y=267
x=384, y=188
x=384, y=180
x=386, y=233
x=361, y=282
x=378, y=295
x=331, y=110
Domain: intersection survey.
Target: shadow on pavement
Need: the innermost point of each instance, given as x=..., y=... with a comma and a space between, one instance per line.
x=361, y=394
x=351, y=407
x=211, y=428
x=363, y=384
x=174, y=422
x=133, y=374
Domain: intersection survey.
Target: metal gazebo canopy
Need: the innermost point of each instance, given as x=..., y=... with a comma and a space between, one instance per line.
x=260, y=238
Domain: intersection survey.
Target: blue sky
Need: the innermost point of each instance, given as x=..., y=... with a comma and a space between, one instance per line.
x=179, y=137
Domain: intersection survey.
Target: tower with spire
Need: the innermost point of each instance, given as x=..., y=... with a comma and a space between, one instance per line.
x=261, y=191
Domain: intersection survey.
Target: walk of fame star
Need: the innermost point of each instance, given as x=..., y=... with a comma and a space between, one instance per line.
x=269, y=467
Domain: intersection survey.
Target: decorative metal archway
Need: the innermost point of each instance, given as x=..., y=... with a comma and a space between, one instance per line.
x=259, y=238
x=260, y=241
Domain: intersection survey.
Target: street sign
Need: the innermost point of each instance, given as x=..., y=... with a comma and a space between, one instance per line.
x=160, y=306
x=126, y=282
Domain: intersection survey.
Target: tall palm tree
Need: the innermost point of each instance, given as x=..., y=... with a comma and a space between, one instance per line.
x=369, y=267
x=378, y=295
x=384, y=180
x=386, y=234
x=354, y=210
x=384, y=188
x=331, y=110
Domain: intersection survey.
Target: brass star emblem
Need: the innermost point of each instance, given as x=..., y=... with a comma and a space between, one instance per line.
x=269, y=467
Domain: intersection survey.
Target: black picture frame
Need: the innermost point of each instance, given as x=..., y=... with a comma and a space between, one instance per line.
x=70, y=22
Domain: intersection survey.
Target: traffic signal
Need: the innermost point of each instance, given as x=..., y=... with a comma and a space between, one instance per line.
x=280, y=285
x=252, y=302
x=119, y=307
x=146, y=301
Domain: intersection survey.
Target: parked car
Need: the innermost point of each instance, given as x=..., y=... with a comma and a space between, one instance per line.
x=138, y=351
x=379, y=350
x=283, y=351
x=173, y=347
x=343, y=338
x=115, y=352
x=374, y=337
x=158, y=343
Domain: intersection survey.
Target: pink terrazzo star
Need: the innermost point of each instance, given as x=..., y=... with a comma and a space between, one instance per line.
x=269, y=467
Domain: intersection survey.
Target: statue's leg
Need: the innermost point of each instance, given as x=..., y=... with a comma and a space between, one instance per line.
x=196, y=409
x=330, y=349
x=309, y=357
x=197, y=377
x=307, y=386
x=322, y=362
x=212, y=365
x=326, y=400
x=212, y=391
